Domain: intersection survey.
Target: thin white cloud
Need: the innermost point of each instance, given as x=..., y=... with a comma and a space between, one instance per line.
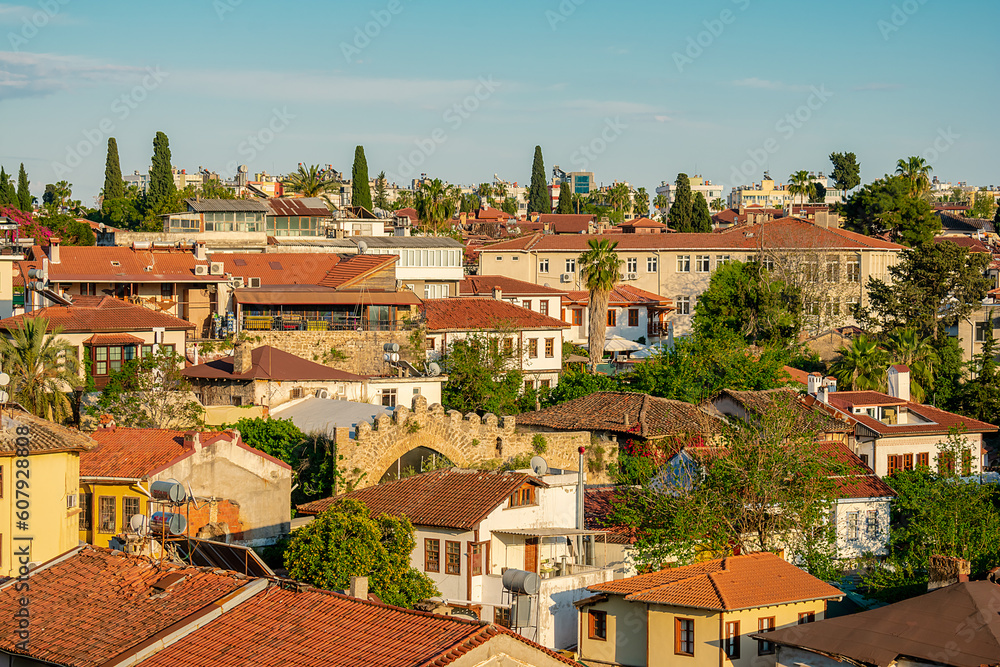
x=16, y=14
x=38, y=74
x=878, y=86
x=765, y=84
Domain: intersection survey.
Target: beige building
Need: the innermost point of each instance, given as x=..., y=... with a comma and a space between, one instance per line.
x=700, y=615
x=831, y=265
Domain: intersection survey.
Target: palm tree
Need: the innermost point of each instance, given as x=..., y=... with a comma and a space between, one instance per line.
x=601, y=271
x=432, y=203
x=619, y=196
x=641, y=203
x=862, y=365
x=660, y=203
x=800, y=184
x=500, y=190
x=717, y=204
x=917, y=172
x=905, y=346
x=485, y=192
x=311, y=181
x=42, y=368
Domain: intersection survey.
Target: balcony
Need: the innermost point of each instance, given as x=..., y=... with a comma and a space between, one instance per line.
x=345, y=323
x=658, y=329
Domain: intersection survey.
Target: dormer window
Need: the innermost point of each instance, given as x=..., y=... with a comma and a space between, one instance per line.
x=523, y=497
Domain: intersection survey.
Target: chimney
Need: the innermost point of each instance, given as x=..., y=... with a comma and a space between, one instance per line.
x=200, y=252
x=359, y=588
x=945, y=570
x=497, y=293
x=899, y=382
x=54, y=249
x=242, y=358
x=192, y=440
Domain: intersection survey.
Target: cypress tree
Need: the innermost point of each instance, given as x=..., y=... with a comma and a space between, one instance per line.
x=162, y=190
x=114, y=186
x=680, y=211
x=8, y=195
x=361, y=192
x=701, y=218
x=538, y=194
x=565, y=198
x=23, y=190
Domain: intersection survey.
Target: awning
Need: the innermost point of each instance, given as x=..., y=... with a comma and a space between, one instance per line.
x=113, y=339
x=324, y=298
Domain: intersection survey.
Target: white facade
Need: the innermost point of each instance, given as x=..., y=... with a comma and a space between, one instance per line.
x=623, y=316
x=862, y=526
x=537, y=352
x=710, y=190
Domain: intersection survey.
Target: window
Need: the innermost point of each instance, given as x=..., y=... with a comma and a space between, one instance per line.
x=523, y=497
x=236, y=401
x=652, y=265
x=683, y=305
x=501, y=616
x=545, y=384
x=767, y=263
x=532, y=348
x=684, y=636
x=807, y=617
x=864, y=459
x=578, y=317
x=966, y=462
x=722, y=260
x=597, y=623
x=296, y=393
x=453, y=557
x=832, y=269
x=570, y=266
x=632, y=265
x=526, y=303
x=108, y=360
x=946, y=463
x=894, y=463
x=478, y=563
x=633, y=317
x=813, y=308
x=923, y=459
x=389, y=398
x=86, y=510
x=88, y=289
x=810, y=271
x=543, y=306
x=683, y=263
x=167, y=290
x=130, y=507
x=529, y=385
x=612, y=317
x=732, y=645
x=852, y=525
x=871, y=523
x=429, y=343
x=907, y=463
x=499, y=258
x=106, y=514
x=550, y=348
x=543, y=267
x=702, y=263
x=854, y=270
x=432, y=555
x=765, y=624
x=508, y=346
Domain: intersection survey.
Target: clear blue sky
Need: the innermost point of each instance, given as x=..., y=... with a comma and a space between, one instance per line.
x=626, y=79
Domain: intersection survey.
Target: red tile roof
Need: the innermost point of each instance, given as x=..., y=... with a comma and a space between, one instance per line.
x=120, y=264
x=973, y=244
x=135, y=453
x=785, y=233
x=621, y=295
x=355, y=268
x=483, y=286
x=941, y=421
x=270, y=363
x=100, y=313
x=567, y=223
x=491, y=214
x=451, y=498
x=809, y=416
x=45, y=437
x=858, y=480
x=113, y=339
x=99, y=604
x=481, y=314
x=795, y=375
x=278, y=268
x=410, y=213
x=315, y=628
x=598, y=503
x=625, y=412
x=643, y=223
x=725, y=584
x=299, y=206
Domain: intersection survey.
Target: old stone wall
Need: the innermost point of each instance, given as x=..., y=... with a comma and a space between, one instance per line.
x=363, y=349
x=467, y=440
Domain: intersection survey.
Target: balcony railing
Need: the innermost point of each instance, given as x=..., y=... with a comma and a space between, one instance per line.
x=292, y=323
x=657, y=329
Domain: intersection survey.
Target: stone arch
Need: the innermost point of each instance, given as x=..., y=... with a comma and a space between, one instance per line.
x=409, y=442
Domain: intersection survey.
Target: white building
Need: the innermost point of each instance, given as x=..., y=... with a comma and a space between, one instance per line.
x=633, y=314
x=542, y=300
x=712, y=191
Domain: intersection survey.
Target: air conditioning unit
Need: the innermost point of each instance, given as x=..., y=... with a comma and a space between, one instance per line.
x=201, y=269
x=566, y=278
x=631, y=276
x=237, y=283
x=217, y=268
x=322, y=393
x=255, y=282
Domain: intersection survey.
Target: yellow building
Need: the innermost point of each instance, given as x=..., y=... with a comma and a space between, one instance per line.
x=39, y=480
x=700, y=615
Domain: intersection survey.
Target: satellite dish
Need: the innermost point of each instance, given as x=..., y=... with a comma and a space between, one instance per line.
x=539, y=466
x=387, y=357
x=139, y=524
x=362, y=247
x=433, y=369
x=4, y=379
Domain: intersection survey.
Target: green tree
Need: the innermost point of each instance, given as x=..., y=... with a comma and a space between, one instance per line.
x=906, y=346
x=888, y=207
x=846, y=171
x=485, y=192
x=470, y=203
x=800, y=184
x=72, y=231
x=509, y=206
x=311, y=181
x=565, y=199
x=818, y=193
x=916, y=172
x=8, y=195
x=600, y=269
x=361, y=193
x=618, y=196
x=42, y=368
x=640, y=203
x=161, y=195
x=717, y=204
x=114, y=186
x=575, y=383
x=381, y=196
x=280, y=438
x=978, y=398
x=538, y=193
x=701, y=218
x=24, y=197
x=744, y=299
x=660, y=203
x=680, y=212
x=212, y=189
x=934, y=285
x=484, y=374
x=862, y=365
x=346, y=541
x=983, y=207
x=150, y=392
x=432, y=205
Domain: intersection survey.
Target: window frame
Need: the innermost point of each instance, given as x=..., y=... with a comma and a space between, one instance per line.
x=107, y=527
x=765, y=624
x=543, y=265
x=702, y=263
x=682, y=628
x=853, y=526
x=550, y=348
x=652, y=264
x=612, y=320
x=577, y=316
x=427, y=553
x=86, y=523
x=731, y=641
x=806, y=617
x=683, y=264
x=597, y=625
x=532, y=348
x=633, y=317
x=452, y=549
x=871, y=523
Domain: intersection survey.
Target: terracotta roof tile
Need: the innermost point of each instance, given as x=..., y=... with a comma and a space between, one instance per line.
x=942, y=421
x=483, y=286
x=354, y=268
x=622, y=295
x=725, y=584
x=451, y=498
x=299, y=206
x=858, y=480
x=100, y=313
x=123, y=264
x=598, y=504
x=44, y=436
x=279, y=268
x=98, y=604
x=807, y=417
x=479, y=314
x=270, y=363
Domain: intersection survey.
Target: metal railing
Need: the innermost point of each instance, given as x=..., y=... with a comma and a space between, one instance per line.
x=294, y=323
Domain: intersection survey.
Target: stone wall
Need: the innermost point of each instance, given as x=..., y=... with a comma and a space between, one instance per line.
x=467, y=440
x=363, y=348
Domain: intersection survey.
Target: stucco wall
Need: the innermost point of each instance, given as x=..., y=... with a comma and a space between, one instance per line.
x=865, y=542
x=363, y=348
